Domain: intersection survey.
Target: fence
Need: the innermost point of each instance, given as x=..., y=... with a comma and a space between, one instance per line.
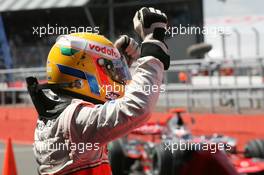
x=199, y=85
x=215, y=85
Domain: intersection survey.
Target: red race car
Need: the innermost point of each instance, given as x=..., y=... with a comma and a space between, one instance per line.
x=171, y=149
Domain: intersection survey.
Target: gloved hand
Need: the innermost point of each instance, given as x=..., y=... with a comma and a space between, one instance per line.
x=150, y=24
x=129, y=47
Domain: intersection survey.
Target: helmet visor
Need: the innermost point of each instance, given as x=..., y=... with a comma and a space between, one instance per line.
x=117, y=69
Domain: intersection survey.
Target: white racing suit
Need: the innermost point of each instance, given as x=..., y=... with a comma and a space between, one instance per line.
x=77, y=139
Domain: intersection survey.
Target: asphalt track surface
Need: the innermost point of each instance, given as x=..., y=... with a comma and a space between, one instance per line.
x=25, y=161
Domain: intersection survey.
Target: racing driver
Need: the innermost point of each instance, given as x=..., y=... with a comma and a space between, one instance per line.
x=91, y=98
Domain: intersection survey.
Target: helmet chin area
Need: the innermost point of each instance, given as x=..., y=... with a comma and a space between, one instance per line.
x=113, y=91
x=112, y=96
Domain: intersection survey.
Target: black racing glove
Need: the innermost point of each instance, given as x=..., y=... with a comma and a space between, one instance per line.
x=150, y=24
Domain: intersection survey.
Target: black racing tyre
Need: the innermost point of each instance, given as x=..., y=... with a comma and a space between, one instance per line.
x=254, y=148
x=182, y=157
x=120, y=163
x=178, y=160
x=162, y=161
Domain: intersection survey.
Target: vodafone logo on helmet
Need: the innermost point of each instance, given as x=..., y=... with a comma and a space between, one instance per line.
x=105, y=50
x=88, y=45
